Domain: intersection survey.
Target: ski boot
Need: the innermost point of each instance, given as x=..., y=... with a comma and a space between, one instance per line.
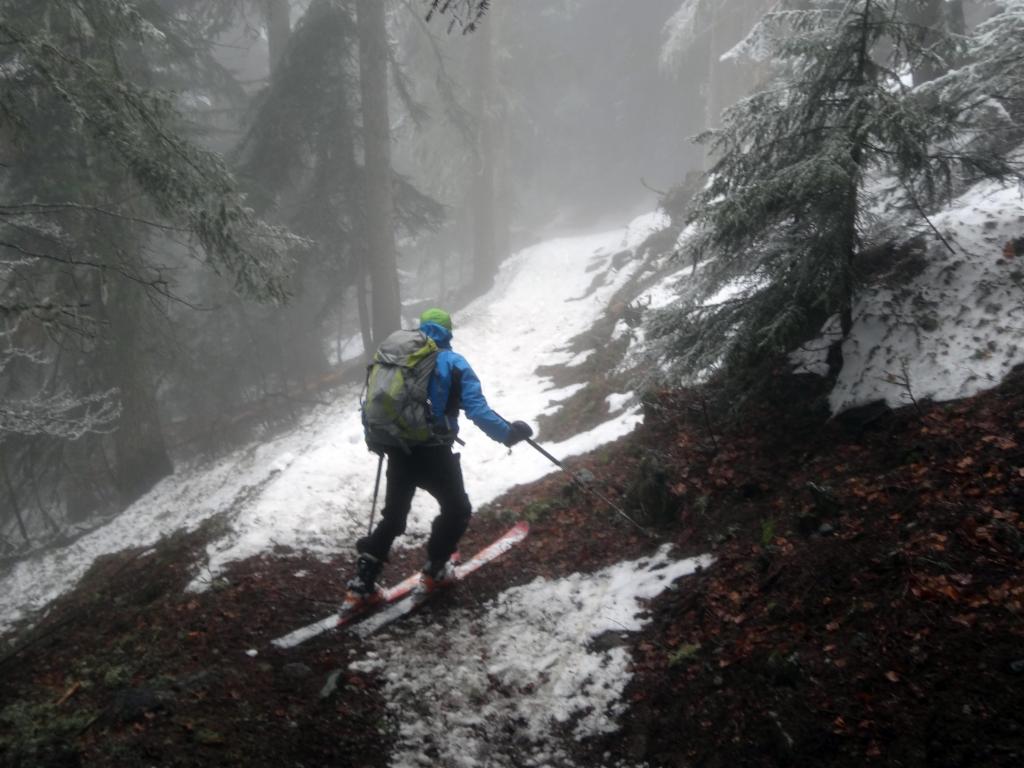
x=437, y=575
x=362, y=588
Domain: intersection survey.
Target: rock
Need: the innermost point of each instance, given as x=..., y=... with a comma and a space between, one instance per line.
x=826, y=529
x=1017, y=667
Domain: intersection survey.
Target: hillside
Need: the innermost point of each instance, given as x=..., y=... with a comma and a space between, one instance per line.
x=864, y=606
x=310, y=487
x=815, y=590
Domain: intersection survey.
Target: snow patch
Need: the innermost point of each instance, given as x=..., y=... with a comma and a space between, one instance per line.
x=525, y=673
x=580, y=359
x=617, y=401
x=644, y=226
x=310, y=489
x=663, y=293
x=955, y=329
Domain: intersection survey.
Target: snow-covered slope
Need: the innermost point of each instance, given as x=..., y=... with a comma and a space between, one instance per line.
x=943, y=324
x=526, y=672
x=955, y=329
x=311, y=488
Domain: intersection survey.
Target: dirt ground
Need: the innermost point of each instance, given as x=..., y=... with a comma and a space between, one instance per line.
x=866, y=607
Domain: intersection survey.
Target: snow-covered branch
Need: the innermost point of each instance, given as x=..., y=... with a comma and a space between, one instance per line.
x=680, y=33
x=63, y=415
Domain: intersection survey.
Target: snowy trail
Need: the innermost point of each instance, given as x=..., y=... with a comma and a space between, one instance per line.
x=517, y=682
x=310, y=488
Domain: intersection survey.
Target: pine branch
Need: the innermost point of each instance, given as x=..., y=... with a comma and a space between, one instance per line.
x=14, y=210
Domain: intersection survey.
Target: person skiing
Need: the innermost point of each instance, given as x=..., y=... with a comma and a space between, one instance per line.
x=428, y=461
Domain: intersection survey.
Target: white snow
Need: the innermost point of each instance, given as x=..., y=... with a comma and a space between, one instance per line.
x=502, y=686
x=580, y=359
x=663, y=293
x=956, y=329
x=519, y=672
x=497, y=687
x=618, y=400
x=310, y=489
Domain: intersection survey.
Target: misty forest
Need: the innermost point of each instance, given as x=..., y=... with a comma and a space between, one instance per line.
x=512, y=383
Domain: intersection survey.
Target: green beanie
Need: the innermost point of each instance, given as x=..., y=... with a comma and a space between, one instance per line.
x=438, y=316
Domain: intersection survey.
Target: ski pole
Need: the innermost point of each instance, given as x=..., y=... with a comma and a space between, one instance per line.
x=376, y=489
x=579, y=481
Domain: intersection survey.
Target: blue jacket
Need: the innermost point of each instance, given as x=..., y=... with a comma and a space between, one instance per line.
x=455, y=385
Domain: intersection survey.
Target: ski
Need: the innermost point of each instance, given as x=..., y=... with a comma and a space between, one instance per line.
x=416, y=598
x=343, y=617
x=404, y=589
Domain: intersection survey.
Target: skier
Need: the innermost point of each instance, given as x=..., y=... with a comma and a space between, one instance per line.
x=430, y=464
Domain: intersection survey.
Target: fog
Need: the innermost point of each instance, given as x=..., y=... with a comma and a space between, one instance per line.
x=210, y=209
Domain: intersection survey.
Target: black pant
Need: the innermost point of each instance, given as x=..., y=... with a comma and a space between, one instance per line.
x=436, y=470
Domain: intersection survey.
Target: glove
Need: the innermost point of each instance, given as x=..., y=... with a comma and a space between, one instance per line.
x=517, y=432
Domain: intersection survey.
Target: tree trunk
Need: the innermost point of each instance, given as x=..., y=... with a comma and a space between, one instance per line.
x=30, y=462
x=380, y=233
x=365, y=322
x=13, y=496
x=485, y=254
x=279, y=29
x=140, y=451
x=302, y=351
x=850, y=245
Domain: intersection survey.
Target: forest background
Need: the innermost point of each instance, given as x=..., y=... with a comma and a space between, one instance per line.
x=211, y=209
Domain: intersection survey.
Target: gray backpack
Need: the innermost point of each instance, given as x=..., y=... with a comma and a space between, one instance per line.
x=395, y=406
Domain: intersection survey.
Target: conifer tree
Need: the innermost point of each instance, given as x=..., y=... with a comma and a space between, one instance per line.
x=379, y=221
x=99, y=173
x=784, y=218
x=990, y=77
